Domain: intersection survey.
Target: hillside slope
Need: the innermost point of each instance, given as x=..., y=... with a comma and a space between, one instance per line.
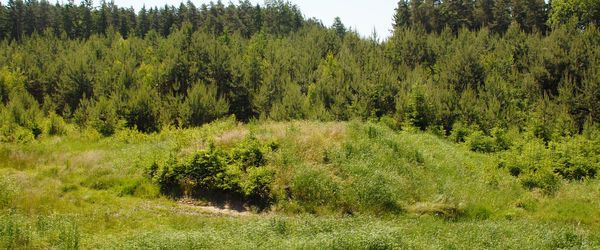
x=299, y=184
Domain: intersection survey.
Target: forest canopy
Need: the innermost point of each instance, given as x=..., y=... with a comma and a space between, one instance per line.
x=485, y=65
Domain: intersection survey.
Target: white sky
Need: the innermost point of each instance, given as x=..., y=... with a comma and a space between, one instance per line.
x=360, y=15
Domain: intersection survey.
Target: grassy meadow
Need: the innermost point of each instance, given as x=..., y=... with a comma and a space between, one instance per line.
x=320, y=185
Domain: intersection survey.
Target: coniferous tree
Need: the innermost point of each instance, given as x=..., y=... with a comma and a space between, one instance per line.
x=86, y=26
x=338, y=27
x=31, y=17
x=457, y=14
x=402, y=15
x=102, y=23
x=143, y=22
x=45, y=18
x=484, y=13
x=502, y=16
x=3, y=22
x=16, y=18
x=193, y=16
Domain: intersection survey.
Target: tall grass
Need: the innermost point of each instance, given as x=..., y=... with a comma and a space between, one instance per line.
x=331, y=185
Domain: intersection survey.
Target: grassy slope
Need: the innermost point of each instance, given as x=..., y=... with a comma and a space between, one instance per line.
x=353, y=184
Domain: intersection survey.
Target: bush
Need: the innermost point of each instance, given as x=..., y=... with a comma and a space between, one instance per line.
x=239, y=171
x=541, y=166
x=460, y=132
x=479, y=142
x=14, y=133
x=542, y=178
x=577, y=158
x=55, y=125
x=20, y=119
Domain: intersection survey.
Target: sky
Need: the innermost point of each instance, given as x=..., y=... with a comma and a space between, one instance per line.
x=359, y=15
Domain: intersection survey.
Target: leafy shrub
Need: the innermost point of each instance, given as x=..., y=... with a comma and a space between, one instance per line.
x=541, y=166
x=240, y=171
x=389, y=122
x=479, y=142
x=100, y=115
x=543, y=178
x=20, y=119
x=55, y=125
x=533, y=163
x=460, y=132
x=577, y=158
x=15, y=133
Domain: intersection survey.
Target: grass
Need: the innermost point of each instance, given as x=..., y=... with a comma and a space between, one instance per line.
x=335, y=185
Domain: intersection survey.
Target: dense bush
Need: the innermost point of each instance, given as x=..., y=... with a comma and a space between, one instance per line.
x=539, y=165
x=20, y=119
x=239, y=171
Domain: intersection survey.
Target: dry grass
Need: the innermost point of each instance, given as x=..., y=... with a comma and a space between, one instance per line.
x=229, y=138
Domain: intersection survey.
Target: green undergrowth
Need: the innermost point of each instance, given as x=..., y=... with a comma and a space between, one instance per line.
x=306, y=184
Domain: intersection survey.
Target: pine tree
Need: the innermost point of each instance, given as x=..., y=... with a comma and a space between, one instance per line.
x=402, y=15
x=16, y=18
x=86, y=28
x=484, y=13
x=102, y=23
x=338, y=27
x=502, y=17
x=143, y=22
x=3, y=22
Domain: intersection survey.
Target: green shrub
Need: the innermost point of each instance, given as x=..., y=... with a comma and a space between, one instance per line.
x=501, y=139
x=577, y=158
x=538, y=165
x=55, y=125
x=20, y=119
x=460, y=132
x=389, y=122
x=542, y=178
x=104, y=118
x=240, y=171
x=479, y=142
x=15, y=133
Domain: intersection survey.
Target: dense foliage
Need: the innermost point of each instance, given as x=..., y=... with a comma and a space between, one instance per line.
x=518, y=77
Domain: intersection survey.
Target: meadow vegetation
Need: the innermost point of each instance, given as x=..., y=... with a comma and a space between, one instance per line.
x=307, y=184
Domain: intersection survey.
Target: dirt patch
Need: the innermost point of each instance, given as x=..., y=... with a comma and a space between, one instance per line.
x=224, y=210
